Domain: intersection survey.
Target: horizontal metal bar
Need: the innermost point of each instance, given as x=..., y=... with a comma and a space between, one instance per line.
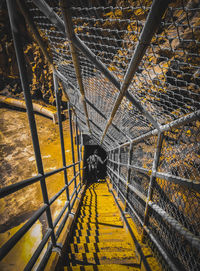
x=164, y=128
x=36, y=254
x=181, y=121
x=45, y=258
x=140, y=169
x=18, y=235
x=19, y=185
x=60, y=214
x=179, y=180
x=192, y=239
x=5, y=191
x=168, y=177
x=58, y=194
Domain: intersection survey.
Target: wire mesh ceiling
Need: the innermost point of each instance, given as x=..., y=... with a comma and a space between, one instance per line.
x=166, y=82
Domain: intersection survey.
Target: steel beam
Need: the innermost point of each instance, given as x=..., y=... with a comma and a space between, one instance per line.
x=64, y=4
x=158, y=8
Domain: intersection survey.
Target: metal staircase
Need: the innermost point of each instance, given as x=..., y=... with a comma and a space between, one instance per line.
x=100, y=239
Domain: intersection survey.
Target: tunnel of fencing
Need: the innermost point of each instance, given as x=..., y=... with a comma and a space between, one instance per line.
x=130, y=70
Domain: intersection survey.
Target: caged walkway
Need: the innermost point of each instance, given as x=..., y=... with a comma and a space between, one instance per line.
x=131, y=73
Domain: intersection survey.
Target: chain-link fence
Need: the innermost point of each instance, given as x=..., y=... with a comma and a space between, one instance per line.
x=131, y=70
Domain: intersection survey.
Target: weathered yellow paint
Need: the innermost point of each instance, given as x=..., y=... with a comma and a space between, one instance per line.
x=101, y=240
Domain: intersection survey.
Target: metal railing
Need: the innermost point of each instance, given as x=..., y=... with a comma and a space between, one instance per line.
x=51, y=236
x=131, y=73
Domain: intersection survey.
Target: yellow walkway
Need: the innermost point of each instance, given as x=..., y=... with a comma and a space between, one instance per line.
x=100, y=240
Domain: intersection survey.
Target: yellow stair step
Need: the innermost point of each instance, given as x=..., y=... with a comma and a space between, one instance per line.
x=100, y=219
x=98, y=232
x=102, y=247
x=96, y=226
x=127, y=257
x=105, y=267
x=85, y=214
x=97, y=239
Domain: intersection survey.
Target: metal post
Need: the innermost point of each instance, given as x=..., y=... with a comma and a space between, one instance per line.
x=12, y=8
x=77, y=147
x=119, y=167
x=58, y=105
x=112, y=158
x=128, y=174
x=72, y=145
x=70, y=32
x=152, y=182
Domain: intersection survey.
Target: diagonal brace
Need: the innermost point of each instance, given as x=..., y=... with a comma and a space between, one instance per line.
x=70, y=32
x=158, y=8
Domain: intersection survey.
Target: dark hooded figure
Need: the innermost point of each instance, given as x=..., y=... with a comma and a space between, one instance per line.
x=94, y=162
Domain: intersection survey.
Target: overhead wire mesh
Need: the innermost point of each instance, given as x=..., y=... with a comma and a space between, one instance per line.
x=166, y=83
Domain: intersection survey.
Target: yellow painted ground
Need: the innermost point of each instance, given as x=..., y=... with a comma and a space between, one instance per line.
x=101, y=240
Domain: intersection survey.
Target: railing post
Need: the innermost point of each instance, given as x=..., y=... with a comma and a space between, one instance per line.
x=77, y=147
x=12, y=8
x=112, y=157
x=58, y=106
x=72, y=145
x=128, y=174
x=152, y=182
x=119, y=167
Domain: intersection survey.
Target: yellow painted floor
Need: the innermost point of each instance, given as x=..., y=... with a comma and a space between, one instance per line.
x=100, y=239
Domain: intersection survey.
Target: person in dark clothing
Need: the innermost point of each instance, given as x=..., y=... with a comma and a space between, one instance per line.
x=94, y=162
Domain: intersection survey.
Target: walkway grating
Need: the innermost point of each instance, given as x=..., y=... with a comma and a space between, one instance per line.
x=100, y=239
